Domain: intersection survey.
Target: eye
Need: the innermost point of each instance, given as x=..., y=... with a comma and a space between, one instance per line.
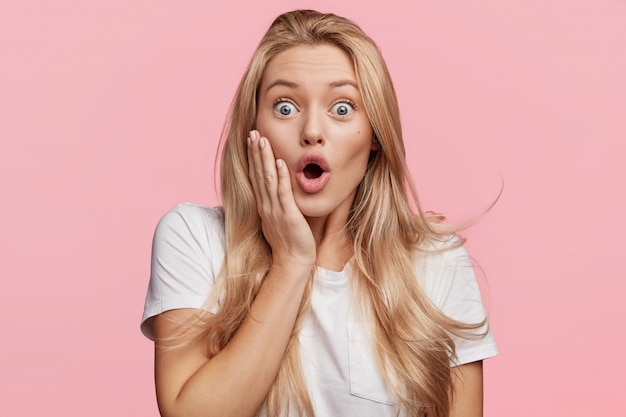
x=342, y=109
x=285, y=108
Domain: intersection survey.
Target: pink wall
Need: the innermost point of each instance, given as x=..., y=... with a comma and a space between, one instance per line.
x=110, y=113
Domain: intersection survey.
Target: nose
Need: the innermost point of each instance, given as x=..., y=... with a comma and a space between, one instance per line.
x=313, y=130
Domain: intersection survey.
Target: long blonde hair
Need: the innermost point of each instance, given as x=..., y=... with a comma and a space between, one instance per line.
x=412, y=337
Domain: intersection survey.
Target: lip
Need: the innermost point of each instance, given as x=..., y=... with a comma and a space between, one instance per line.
x=312, y=185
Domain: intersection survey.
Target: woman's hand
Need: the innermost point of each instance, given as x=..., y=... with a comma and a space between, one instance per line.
x=284, y=226
x=236, y=381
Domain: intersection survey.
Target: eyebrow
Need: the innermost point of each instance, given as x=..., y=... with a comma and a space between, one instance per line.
x=333, y=84
x=281, y=82
x=341, y=83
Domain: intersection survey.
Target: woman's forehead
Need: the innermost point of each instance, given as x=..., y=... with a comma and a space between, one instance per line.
x=306, y=64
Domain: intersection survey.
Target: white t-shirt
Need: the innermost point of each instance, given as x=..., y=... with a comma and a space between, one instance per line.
x=338, y=359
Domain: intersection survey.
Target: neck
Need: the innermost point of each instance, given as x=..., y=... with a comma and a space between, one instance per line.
x=334, y=249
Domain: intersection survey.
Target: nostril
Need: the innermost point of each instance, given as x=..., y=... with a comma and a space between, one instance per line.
x=318, y=141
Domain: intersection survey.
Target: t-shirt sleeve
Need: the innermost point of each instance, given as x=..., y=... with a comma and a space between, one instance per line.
x=450, y=282
x=187, y=253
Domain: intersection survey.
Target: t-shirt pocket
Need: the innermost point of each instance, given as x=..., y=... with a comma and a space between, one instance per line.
x=366, y=378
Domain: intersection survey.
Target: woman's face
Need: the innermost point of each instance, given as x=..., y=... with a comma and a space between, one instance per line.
x=310, y=109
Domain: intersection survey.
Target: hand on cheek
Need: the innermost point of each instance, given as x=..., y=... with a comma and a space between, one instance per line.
x=284, y=226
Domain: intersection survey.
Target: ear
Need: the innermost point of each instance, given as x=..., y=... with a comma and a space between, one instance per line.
x=375, y=143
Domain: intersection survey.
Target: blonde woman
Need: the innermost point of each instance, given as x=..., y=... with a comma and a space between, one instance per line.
x=315, y=290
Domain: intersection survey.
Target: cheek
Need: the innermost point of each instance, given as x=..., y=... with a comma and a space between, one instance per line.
x=365, y=134
x=365, y=150
x=269, y=130
x=362, y=145
x=261, y=120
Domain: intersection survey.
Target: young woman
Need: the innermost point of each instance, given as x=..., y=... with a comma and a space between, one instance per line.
x=315, y=289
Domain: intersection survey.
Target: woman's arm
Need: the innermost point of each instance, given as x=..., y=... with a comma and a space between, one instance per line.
x=236, y=381
x=467, y=381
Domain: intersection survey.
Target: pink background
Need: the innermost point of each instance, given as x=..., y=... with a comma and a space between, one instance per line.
x=110, y=114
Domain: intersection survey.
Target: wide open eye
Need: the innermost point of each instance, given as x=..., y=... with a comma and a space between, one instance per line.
x=285, y=108
x=342, y=109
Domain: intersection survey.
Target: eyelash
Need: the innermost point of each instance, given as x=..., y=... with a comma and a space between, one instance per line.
x=283, y=100
x=345, y=100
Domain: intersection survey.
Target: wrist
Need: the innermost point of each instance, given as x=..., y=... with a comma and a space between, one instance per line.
x=294, y=268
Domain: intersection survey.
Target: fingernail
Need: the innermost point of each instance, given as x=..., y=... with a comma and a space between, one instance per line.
x=262, y=143
x=252, y=136
x=279, y=163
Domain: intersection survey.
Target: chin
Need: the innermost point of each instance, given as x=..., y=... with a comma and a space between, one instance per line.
x=314, y=212
x=315, y=206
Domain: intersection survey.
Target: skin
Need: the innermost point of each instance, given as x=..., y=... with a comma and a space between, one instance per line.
x=324, y=114
x=317, y=87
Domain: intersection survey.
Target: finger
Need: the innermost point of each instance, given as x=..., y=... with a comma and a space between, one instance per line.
x=284, y=191
x=251, y=175
x=270, y=176
x=255, y=168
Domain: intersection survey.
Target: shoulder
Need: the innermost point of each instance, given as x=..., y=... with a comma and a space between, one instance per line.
x=446, y=272
x=192, y=216
x=187, y=255
x=448, y=252
x=190, y=221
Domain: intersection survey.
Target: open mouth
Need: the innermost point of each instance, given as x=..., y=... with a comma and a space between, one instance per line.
x=312, y=171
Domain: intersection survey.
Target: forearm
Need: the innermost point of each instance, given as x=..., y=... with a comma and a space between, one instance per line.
x=236, y=381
